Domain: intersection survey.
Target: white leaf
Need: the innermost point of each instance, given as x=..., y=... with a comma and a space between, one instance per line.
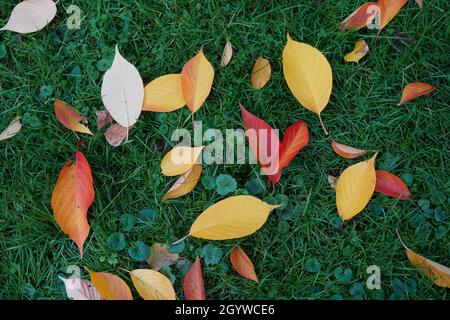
x=79, y=289
x=123, y=91
x=12, y=129
x=31, y=16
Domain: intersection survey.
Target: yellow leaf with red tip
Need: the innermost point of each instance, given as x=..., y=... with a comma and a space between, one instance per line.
x=414, y=90
x=110, y=286
x=360, y=50
x=164, y=94
x=70, y=117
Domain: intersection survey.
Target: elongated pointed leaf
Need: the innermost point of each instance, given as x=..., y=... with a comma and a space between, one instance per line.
x=185, y=183
x=391, y=185
x=361, y=17
x=152, y=285
x=234, y=217
x=70, y=117
x=123, y=91
x=179, y=160
x=110, y=286
x=261, y=73
x=359, y=51
x=347, y=152
x=72, y=197
x=389, y=9
x=295, y=139
x=12, y=129
x=31, y=16
x=242, y=264
x=196, y=80
x=355, y=187
x=414, y=90
x=164, y=94
x=193, y=284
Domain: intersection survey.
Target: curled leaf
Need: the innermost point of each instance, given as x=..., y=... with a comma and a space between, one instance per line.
x=152, y=285
x=196, y=81
x=227, y=54
x=115, y=134
x=11, y=130
x=355, y=188
x=234, y=217
x=261, y=73
x=360, y=50
x=242, y=264
x=180, y=160
x=103, y=118
x=72, y=197
x=110, y=286
x=80, y=289
x=346, y=151
x=70, y=117
x=123, y=91
x=193, y=284
x=164, y=94
x=414, y=90
x=185, y=183
x=31, y=16
x=160, y=257
x=391, y=185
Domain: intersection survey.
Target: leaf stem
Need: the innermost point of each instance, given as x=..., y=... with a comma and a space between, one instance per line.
x=323, y=126
x=178, y=241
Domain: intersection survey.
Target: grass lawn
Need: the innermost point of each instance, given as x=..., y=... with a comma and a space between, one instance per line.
x=159, y=37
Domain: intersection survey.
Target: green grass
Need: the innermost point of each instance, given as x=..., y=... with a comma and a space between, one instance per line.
x=159, y=37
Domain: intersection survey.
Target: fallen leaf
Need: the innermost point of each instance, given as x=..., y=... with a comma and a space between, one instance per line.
x=115, y=134
x=420, y=3
x=164, y=94
x=123, y=91
x=72, y=197
x=389, y=9
x=193, y=284
x=110, y=286
x=355, y=188
x=80, y=289
x=103, y=118
x=179, y=160
x=185, y=183
x=346, y=151
x=31, y=16
x=332, y=180
x=261, y=73
x=160, y=257
x=295, y=138
x=242, y=264
x=308, y=75
x=152, y=285
x=11, y=130
x=227, y=54
x=414, y=90
x=196, y=80
x=361, y=17
x=438, y=273
x=264, y=143
x=360, y=50
x=391, y=185
x=70, y=117
x=232, y=218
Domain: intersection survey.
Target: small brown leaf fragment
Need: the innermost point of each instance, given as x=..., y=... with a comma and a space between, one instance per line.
x=115, y=134
x=160, y=256
x=332, y=181
x=242, y=264
x=227, y=54
x=261, y=73
x=103, y=118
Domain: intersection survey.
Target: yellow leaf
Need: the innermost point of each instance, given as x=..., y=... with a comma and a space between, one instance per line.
x=308, y=75
x=227, y=54
x=196, y=80
x=360, y=50
x=234, y=217
x=438, y=273
x=164, y=94
x=355, y=187
x=185, y=183
x=180, y=160
x=261, y=73
x=152, y=285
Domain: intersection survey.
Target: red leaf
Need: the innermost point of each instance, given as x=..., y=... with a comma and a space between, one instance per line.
x=242, y=264
x=70, y=117
x=264, y=143
x=361, y=17
x=391, y=185
x=193, y=286
x=295, y=138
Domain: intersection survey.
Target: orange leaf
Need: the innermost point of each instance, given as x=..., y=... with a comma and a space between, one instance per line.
x=389, y=9
x=414, y=90
x=115, y=134
x=193, y=285
x=70, y=117
x=295, y=138
x=185, y=183
x=261, y=73
x=196, y=81
x=242, y=264
x=346, y=151
x=72, y=197
x=391, y=185
x=110, y=286
x=361, y=17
